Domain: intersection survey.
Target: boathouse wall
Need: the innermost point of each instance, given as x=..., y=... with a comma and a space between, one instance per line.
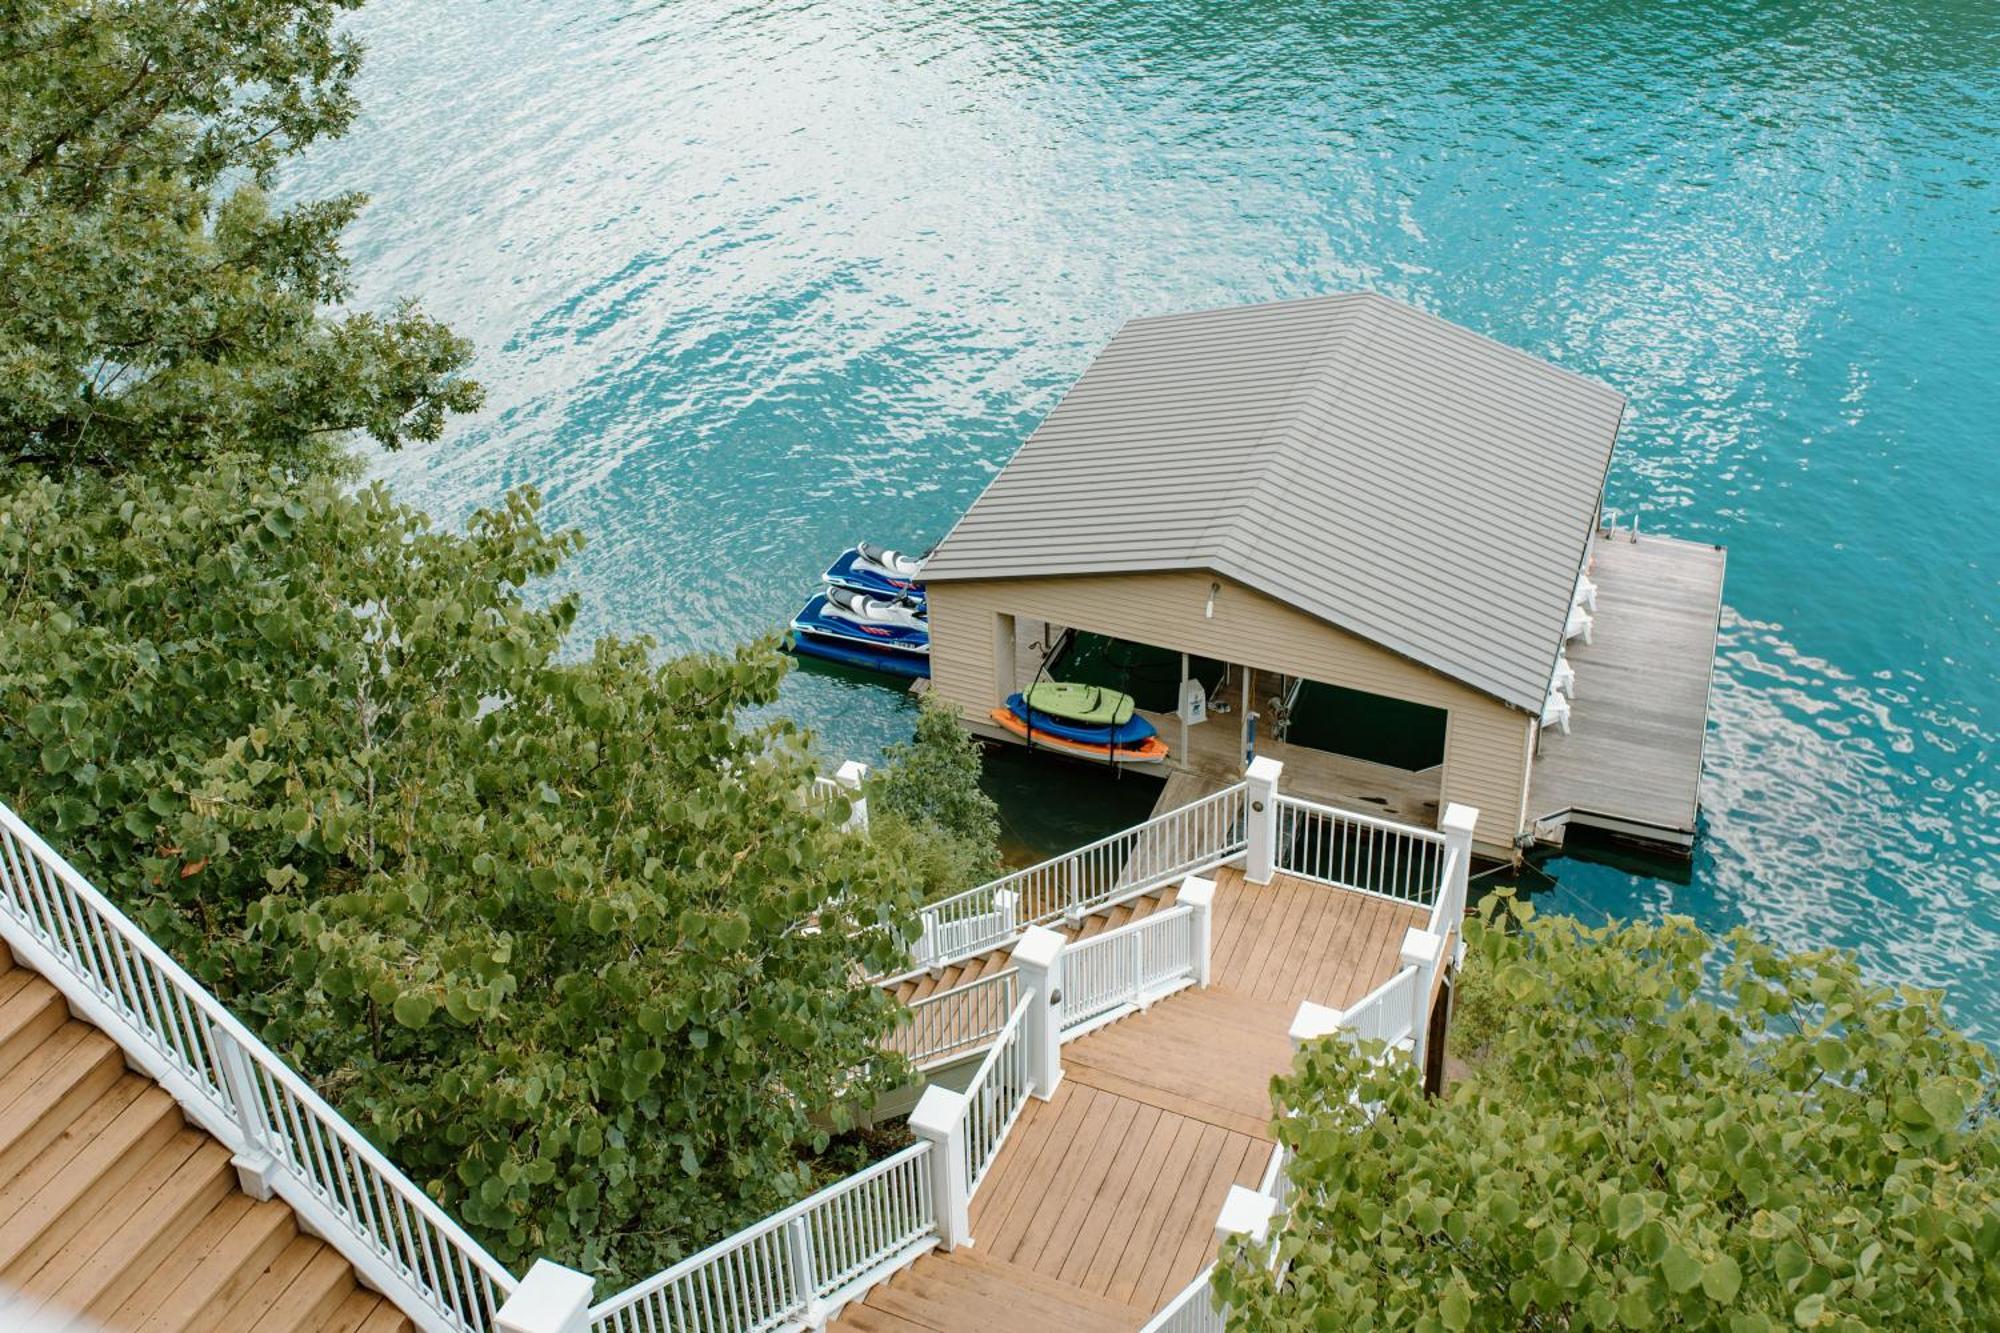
x=1487, y=759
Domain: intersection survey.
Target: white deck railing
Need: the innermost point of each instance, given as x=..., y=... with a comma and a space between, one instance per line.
x=283, y=1136
x=952, y=1024
x=1359, y=851
x=1165, y=848
x=1388, y=1013
x=1108, y=975
x=1192, y=1309
x=790, y=1269
x=994, y=1098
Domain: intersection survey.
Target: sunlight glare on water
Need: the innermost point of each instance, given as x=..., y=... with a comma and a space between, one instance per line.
x=750, y=282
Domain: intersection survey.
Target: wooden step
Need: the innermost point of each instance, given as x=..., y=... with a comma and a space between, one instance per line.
x=120, y=1247
x=962, y=1291
x=50, y=1087
x=116, y=1211
x=30, y=1011
x=232, y=1246
x=46, y=1205
x=313, y=1296
x=270, y=1298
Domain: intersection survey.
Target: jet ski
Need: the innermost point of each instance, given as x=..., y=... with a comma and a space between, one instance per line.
x=878, y=571
x=1126, y=730
x=885, y=634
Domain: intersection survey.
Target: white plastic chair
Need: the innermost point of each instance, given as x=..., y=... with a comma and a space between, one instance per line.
x=1579, y=623
x=1585, y=595
x=1565, y=680
x=1555, y=712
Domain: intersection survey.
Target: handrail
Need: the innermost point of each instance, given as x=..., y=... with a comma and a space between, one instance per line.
x=1109, y=973
x=1181, y=842
x=281, y=1132
x=952, y=1024
x=1361, y=852
x=1385, y=1014
x=781, y=1271
x=995, y=1096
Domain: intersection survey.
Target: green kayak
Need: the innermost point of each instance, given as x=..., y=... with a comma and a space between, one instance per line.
x=1090, y=704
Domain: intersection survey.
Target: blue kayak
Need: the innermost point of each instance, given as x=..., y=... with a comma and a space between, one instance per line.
x=1132, y=732
x=857, y=569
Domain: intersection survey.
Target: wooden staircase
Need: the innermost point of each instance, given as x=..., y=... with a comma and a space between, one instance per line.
x=114, y=1208
x=964, y=973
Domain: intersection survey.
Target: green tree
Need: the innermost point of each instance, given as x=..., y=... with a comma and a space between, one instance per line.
x=153, y=306
x=564, y=936
x=1632, y=1149
x=938, y=817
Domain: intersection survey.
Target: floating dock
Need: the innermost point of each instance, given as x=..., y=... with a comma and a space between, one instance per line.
x=1631, y=763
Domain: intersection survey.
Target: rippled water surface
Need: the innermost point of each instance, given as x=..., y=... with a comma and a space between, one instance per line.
x=752, y=280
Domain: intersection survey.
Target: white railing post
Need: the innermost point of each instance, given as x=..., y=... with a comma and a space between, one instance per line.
x=1456, y=825
x=1425, y=952
x=1260, y=819
x=550, y=1299
x=850, y=776
x=1007, y=906
x=1039, y=959
x=1245, y=1212
x=1199, y=894
x=940, y=1121
x=798, y=1256
x=255, y=1162
x=1312, y=1022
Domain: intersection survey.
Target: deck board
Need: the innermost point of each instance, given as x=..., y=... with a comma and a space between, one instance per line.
x=1632, y=760
x=1107, y=1194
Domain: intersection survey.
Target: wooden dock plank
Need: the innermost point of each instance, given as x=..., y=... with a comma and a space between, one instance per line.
x=1640, y=716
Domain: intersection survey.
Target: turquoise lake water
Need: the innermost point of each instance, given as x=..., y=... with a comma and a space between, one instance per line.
x=752, y=281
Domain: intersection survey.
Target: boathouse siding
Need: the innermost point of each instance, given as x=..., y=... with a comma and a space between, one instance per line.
x=1486, y=742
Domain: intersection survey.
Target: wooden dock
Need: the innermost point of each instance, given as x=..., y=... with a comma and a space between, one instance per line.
x=1102, y=1202
x=1631, y=765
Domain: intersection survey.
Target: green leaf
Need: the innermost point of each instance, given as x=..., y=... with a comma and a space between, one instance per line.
x=1679, y=1268
x=1721, y=1279
x=413, y=1011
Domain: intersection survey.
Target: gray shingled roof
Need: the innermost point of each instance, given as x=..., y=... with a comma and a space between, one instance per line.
x=1389, y=472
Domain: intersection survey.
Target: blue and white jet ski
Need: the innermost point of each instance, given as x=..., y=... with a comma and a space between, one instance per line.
x=879, y=571
x=883, y=634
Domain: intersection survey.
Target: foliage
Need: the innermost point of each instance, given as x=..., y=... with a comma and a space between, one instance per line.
x=931, y=783
x=1807, y=1150
x=565, y=937
x=156, y=307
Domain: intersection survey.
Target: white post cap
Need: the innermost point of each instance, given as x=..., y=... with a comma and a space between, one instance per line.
x=1039, y=947
x=851, y=773
x=1314, y=1021
x=1458, y=818
x=1265, y=769
x=1421, y=948
x=937, y=1112
x=1196, y=892
x=1245, y=1212
x=550, y=1299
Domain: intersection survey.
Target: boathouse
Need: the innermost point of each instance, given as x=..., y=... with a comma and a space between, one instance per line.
x=1355, y=537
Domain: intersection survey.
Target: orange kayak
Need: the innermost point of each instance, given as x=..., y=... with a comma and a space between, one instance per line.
x=1149, y=751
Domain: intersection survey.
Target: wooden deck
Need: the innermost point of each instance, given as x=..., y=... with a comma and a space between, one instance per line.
x=1102, y=1202
x=1631, y=764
